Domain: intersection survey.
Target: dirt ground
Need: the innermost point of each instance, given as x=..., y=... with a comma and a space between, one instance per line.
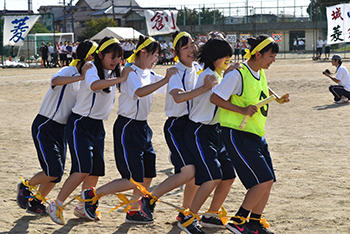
x=308, y=138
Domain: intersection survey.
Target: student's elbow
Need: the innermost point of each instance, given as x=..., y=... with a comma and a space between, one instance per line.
x=214, y=99
x=139, y=93
x=94, y=87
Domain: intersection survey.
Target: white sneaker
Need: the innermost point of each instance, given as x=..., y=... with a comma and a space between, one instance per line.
x=342, y=100
x=79, y=212
x=55, y=213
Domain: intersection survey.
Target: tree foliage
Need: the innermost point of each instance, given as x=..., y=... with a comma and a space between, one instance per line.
x=317, y=8
x=39, y=28
x=190, y=16
x=95, y=25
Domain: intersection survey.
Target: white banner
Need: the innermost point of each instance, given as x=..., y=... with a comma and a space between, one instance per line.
x=160, y=22
x=338, y=20
x=17, y=27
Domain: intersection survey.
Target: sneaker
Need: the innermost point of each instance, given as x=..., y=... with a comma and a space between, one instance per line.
x=258, y=228
x=190, y=228
x=146, y=207
x=55, y=213
x=342, y=101
x=36, y=207
x=238, y=228
x=89, y=207
x=137, y=217
x=79, y=212
x=211, y=221
x=23, y=194
x=180, y=217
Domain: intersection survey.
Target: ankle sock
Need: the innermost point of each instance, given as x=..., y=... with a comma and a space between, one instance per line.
x=256, y=218
x=242, y=213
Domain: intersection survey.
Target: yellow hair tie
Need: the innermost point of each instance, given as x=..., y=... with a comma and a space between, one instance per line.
x=92, y=49
x=177, y=38
x=259, y=47
x=74, y=62
x=147, y=42
x=107, y=43
x=90, y=52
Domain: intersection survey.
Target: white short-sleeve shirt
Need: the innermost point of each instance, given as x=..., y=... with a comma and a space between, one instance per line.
x=59, y=100
x=203, y=111
x=94, y=104
x=129, y=104
x=185, y=80
x=344, y=77
x=232, y=83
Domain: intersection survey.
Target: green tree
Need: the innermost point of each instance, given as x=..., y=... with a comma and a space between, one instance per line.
x=208, y=16
x=317, y=8
x=94, y=26
x=39, y=28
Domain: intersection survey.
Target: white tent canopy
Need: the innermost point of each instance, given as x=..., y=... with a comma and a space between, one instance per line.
x=121, y=33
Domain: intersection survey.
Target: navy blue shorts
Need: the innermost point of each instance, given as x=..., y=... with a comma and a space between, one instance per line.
x=50, y=144
x=251, y=156
x=204, y=143
x=86, y=144
x=226, y=161
x=133, y=149
x=174, y=132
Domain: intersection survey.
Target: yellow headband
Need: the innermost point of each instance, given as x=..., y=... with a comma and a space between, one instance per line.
x=259, y=47
x=147, y=42
x=178, y=36
x=90, y=52
x=107, y=43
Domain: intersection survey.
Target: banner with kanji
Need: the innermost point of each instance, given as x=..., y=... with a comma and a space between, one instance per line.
x=16, y=28
x=338, y=20
x=161, y=22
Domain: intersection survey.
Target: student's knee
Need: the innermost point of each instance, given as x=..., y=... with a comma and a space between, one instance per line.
x=330, y=88
x=188, y=172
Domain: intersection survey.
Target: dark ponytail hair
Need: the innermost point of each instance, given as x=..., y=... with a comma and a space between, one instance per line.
x=82, y=50
x=180, y=43
x=151, y=48
x=213, y=50
x=117, y=51
x=253, y=42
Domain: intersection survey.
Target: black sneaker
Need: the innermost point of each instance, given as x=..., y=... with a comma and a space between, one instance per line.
x=23, y=194
x=211, y=221
x=258, y=228
x=238, y=229
x=192, y=227
x=146, y=207
x=89, y=208
x=137, y=217
x=36, y=207
x=180, y=217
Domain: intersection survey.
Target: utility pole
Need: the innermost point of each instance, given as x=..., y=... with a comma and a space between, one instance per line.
x=113, y=11
x=64, y=16
x=30, y=6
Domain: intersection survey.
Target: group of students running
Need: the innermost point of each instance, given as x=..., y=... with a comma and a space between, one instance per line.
x=205, y=104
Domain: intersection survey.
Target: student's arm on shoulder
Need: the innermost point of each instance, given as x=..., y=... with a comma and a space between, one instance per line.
x=65, y=75
x=148, y=89
x=180, y=95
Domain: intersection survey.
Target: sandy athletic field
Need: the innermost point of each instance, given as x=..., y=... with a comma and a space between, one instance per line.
x=309, y=142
